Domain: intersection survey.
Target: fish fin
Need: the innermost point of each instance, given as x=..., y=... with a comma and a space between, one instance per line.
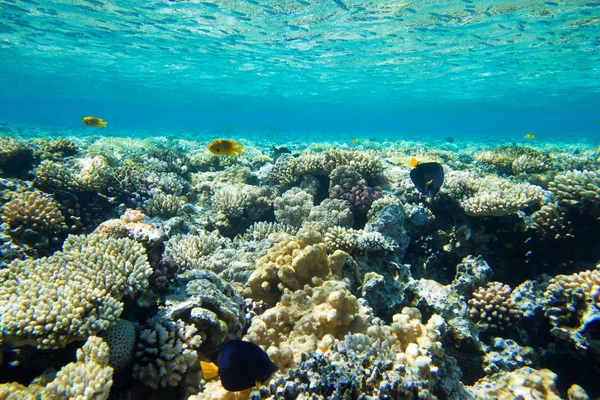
x=209, y=370
x=238, y=149
x=258, y=384
x=103, y=124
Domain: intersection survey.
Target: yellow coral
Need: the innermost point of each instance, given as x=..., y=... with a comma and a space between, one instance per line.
x=291, y=264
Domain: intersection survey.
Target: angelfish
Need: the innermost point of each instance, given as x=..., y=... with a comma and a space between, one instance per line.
x=428, y=178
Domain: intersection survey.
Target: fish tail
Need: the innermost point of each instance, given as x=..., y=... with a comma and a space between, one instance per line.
x=209, y=370
x=103, y=124
x=238, y=149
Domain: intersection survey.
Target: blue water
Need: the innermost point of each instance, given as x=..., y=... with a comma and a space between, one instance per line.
x=342, y=68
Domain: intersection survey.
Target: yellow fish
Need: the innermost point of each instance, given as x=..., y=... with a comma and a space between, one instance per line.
x=355, y=140
x=224, y=147
x=93, y=121
x=529, y=136
x=413, y=163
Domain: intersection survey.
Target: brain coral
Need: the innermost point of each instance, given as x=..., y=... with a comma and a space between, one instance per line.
x=75, y=293
x=293, y=263
x=120, y=337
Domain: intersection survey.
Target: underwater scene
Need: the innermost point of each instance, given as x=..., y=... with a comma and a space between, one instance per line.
x=299, y=199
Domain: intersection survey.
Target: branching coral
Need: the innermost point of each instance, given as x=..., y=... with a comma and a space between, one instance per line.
x=75, y=293
x=361, y=198
x=189, y=251
x=164, y=205
x=492, y=307
x=165, y=352
x=492, y=196
x=34, y=211
x=523, y=383
x=89, y=378
x=261, y=230
x=332, y=212
x=576, y=186
x=551, y=221
x=571, y=302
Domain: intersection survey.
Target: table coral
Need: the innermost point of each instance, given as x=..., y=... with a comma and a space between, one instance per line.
x=491, y=195
x=75, y=293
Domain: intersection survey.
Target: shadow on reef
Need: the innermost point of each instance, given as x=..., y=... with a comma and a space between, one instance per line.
x=514, y=252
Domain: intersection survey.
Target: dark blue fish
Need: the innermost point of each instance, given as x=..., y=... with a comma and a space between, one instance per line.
x=241, y=365
x=428, y=178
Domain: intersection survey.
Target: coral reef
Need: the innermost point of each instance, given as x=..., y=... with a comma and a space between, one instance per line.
x=120, y=337
x=73, y=294
x=190, y=251
x=574, y=187
x=523, y=383
x=293, y=207
x=572, y=304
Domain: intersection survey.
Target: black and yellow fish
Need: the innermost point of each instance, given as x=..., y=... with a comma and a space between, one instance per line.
x=224, y=147
x=428, y=178
x=241, y=365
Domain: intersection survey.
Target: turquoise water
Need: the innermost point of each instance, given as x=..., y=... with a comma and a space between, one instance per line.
x=339, y=67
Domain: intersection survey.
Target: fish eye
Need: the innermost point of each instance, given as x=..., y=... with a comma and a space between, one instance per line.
x=218, y=151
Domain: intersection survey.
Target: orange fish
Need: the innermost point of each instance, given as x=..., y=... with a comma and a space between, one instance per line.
x=224, y=147
x=413, y=163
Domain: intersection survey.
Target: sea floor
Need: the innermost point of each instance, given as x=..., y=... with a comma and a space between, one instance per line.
x=125, y=260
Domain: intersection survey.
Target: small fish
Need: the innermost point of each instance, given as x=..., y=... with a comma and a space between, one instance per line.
x=428, y=178
x=529, y=136
x=241, y=365
x=224, y=147
x=277, y=152
x=449, y=139
x=413, y=163
x=355, y=140
x=93, y=121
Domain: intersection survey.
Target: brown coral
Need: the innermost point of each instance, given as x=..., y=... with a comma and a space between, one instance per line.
x=492, y=307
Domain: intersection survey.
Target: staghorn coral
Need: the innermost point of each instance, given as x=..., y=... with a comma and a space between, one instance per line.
x=189, y=251
x=165, y=352
x=571, y=303
x=34, y=211
x=574, y=187
x=492, y=307
x=261, y=230
x=293, y=207
x=292, y=263
x=75, y=293
x=89, y=378
x=492, y=196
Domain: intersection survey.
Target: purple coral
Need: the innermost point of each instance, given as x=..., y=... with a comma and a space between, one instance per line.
x=164, y=273
x=361, y=198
